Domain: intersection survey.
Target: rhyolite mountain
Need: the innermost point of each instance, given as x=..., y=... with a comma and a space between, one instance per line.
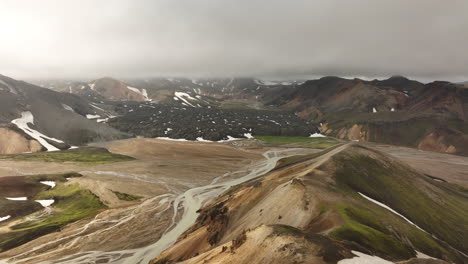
x=60, y=119
x=395, y=111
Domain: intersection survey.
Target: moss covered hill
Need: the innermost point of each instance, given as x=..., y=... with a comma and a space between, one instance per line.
x=324, y=207
x=29, y=220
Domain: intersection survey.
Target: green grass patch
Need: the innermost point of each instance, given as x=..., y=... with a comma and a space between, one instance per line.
x=236, y=105
x=51, y=177
x=84, y=155
x=127, y=197
x=304, y=142
x=72, y=203
x=439, y=208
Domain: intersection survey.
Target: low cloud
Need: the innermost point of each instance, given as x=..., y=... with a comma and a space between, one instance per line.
x=424, y=39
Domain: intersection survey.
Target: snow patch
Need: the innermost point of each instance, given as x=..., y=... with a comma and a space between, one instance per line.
x=364, y=259
x=17, y=198
x=46, y=203
x=68, y=108
x=248, y=135
x=93, y=105
x=374, y=110
x=183, y=97
x=316, y=135
x=142, y=92
x=52, y=184
x=22, y=123
x=391, y=210
x=172, y=139
x=92, y=116
x=203, y=140
x=4, y=218
x=229, y=139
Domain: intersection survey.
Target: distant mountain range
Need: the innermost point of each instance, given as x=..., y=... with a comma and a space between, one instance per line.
x=394, y=111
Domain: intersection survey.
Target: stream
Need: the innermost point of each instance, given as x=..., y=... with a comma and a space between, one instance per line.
x=190, y=201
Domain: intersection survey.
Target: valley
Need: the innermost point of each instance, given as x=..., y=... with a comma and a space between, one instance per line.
x=232, y=171
x=160, y=199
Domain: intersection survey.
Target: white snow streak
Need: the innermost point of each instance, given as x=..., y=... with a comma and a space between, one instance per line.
x=142, y=92
x=248, y=135
x=184, y=96
x=92, y=116
x=203, y=140
x=5, y=218
x=172, y=139
x=22, y=123
x=315, y=135
x=45, y=203
x=49, y=183
x=68, y=108
x=364, y=259
x=391, y=210
x=17, y=198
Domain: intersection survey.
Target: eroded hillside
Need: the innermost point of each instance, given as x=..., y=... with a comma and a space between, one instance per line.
x=319, y=208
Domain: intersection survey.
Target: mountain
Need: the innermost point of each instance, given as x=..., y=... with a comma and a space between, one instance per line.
x=98, y=90
x=345, y=202
x=34, y=118
x=204, y=92
x=396, y=110
x=204, y=109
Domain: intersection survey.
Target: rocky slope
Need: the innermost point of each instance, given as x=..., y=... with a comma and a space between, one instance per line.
x=395, y=111
x=327, y=207
x=38, y=118
x=205, y=92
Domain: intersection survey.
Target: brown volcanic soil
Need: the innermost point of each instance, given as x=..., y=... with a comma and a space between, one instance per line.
x=116, y=90
x=18, y=187
x=162, y=167
x=14, y=186
x=303, y=200
x=12, y=142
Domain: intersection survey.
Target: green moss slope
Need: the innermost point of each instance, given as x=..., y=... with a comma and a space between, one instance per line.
x=84, y=155
x=72, y=203
x=439, y=208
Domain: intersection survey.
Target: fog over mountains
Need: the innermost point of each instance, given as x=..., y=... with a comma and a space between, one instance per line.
x=296, y=39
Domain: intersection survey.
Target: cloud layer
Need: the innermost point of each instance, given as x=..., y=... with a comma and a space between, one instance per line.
x=425, y=39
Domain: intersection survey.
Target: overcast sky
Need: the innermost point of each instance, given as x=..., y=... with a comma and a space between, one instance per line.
x=425, y=39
